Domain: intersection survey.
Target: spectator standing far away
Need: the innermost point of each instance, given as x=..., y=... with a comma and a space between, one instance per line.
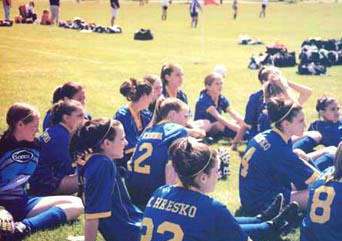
x=263, y=8
x=115, y=8
x=54, y=8
x=7, y=7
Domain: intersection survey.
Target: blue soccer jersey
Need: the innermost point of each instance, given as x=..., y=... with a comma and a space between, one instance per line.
x=323, y=220
x=254, y=108
x=194, y=6
x=106, y=199
x=176, y=213
x=147, y=167
x=18, y=161
x=331, y=132
x=264, y=122
x=205, y=103
x=54, y=162
x=180, y=95
x=268, y=167
x=133, y=124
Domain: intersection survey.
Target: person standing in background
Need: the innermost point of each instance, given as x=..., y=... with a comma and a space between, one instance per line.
x=54, y=9
x=165, y=5
x=115, y=8
x=263, y=8
x=7, y=7
x=235, y=8
x=194, y=7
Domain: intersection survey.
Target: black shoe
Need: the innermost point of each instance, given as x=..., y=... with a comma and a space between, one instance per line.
x=286, y=220
x=273, y=209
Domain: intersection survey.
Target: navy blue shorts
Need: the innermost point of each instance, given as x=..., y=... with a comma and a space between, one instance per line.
x=19, y=208
x=193, y=14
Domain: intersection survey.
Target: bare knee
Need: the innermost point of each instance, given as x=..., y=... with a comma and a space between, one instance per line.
x=73, y=208
x=314, y=135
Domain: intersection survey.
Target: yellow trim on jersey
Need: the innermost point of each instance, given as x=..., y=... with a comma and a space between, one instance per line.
x=313, y=178
x=136, y=117
x=130, y=150
x=282, y=135
x=249, y=239
x=97, y=215
x=228, y=109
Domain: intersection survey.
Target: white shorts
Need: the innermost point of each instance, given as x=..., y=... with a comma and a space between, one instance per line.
x=114, y=12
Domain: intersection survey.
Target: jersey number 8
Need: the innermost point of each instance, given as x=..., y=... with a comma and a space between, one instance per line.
x=323, y=205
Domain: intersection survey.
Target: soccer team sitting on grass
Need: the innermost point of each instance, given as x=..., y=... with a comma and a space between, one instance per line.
x=144, y=176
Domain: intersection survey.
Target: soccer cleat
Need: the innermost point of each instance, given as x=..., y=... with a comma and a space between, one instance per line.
x=6, y=221
x=6, y=224
x=273, y=209
x=286, y=220
x=224, y=158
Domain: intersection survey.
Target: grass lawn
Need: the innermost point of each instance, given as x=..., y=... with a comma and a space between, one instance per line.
x=35, y=59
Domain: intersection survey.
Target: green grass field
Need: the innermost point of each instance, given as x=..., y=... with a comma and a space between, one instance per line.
x=35, y=59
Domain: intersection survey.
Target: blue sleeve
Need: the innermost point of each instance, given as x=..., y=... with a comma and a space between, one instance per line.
x=204, y=104
x=46, y=122
x=185, y=98
x=99, y=184
x=177, y=132
x=224, y=102
x=251, y=114
x=313, y=126
x=227, y=227
x=296, y=170
x=126, y=120
x=56, y=152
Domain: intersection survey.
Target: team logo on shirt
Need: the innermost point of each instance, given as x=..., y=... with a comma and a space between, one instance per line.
x=22, y=156
x=46, y=137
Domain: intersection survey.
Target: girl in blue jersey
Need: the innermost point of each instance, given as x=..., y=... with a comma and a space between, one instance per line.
x=327, y=132
x=107, y=204
x=69, y=90
x=55, y=174
x=157, y=86
x=254, y=108
x=172, y=79
x=184, y=211
x=269, y=165
x=212, y=103
x=278, y=86
x=330, y=127
x=19, y=154
x=135, y=116
x=193, y=8
x=149, y=168
x=323, y=217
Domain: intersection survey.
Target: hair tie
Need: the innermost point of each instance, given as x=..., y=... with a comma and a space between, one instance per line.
x=106, y=133
x=285, y=115
x=27, y=116
x=205, y=166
